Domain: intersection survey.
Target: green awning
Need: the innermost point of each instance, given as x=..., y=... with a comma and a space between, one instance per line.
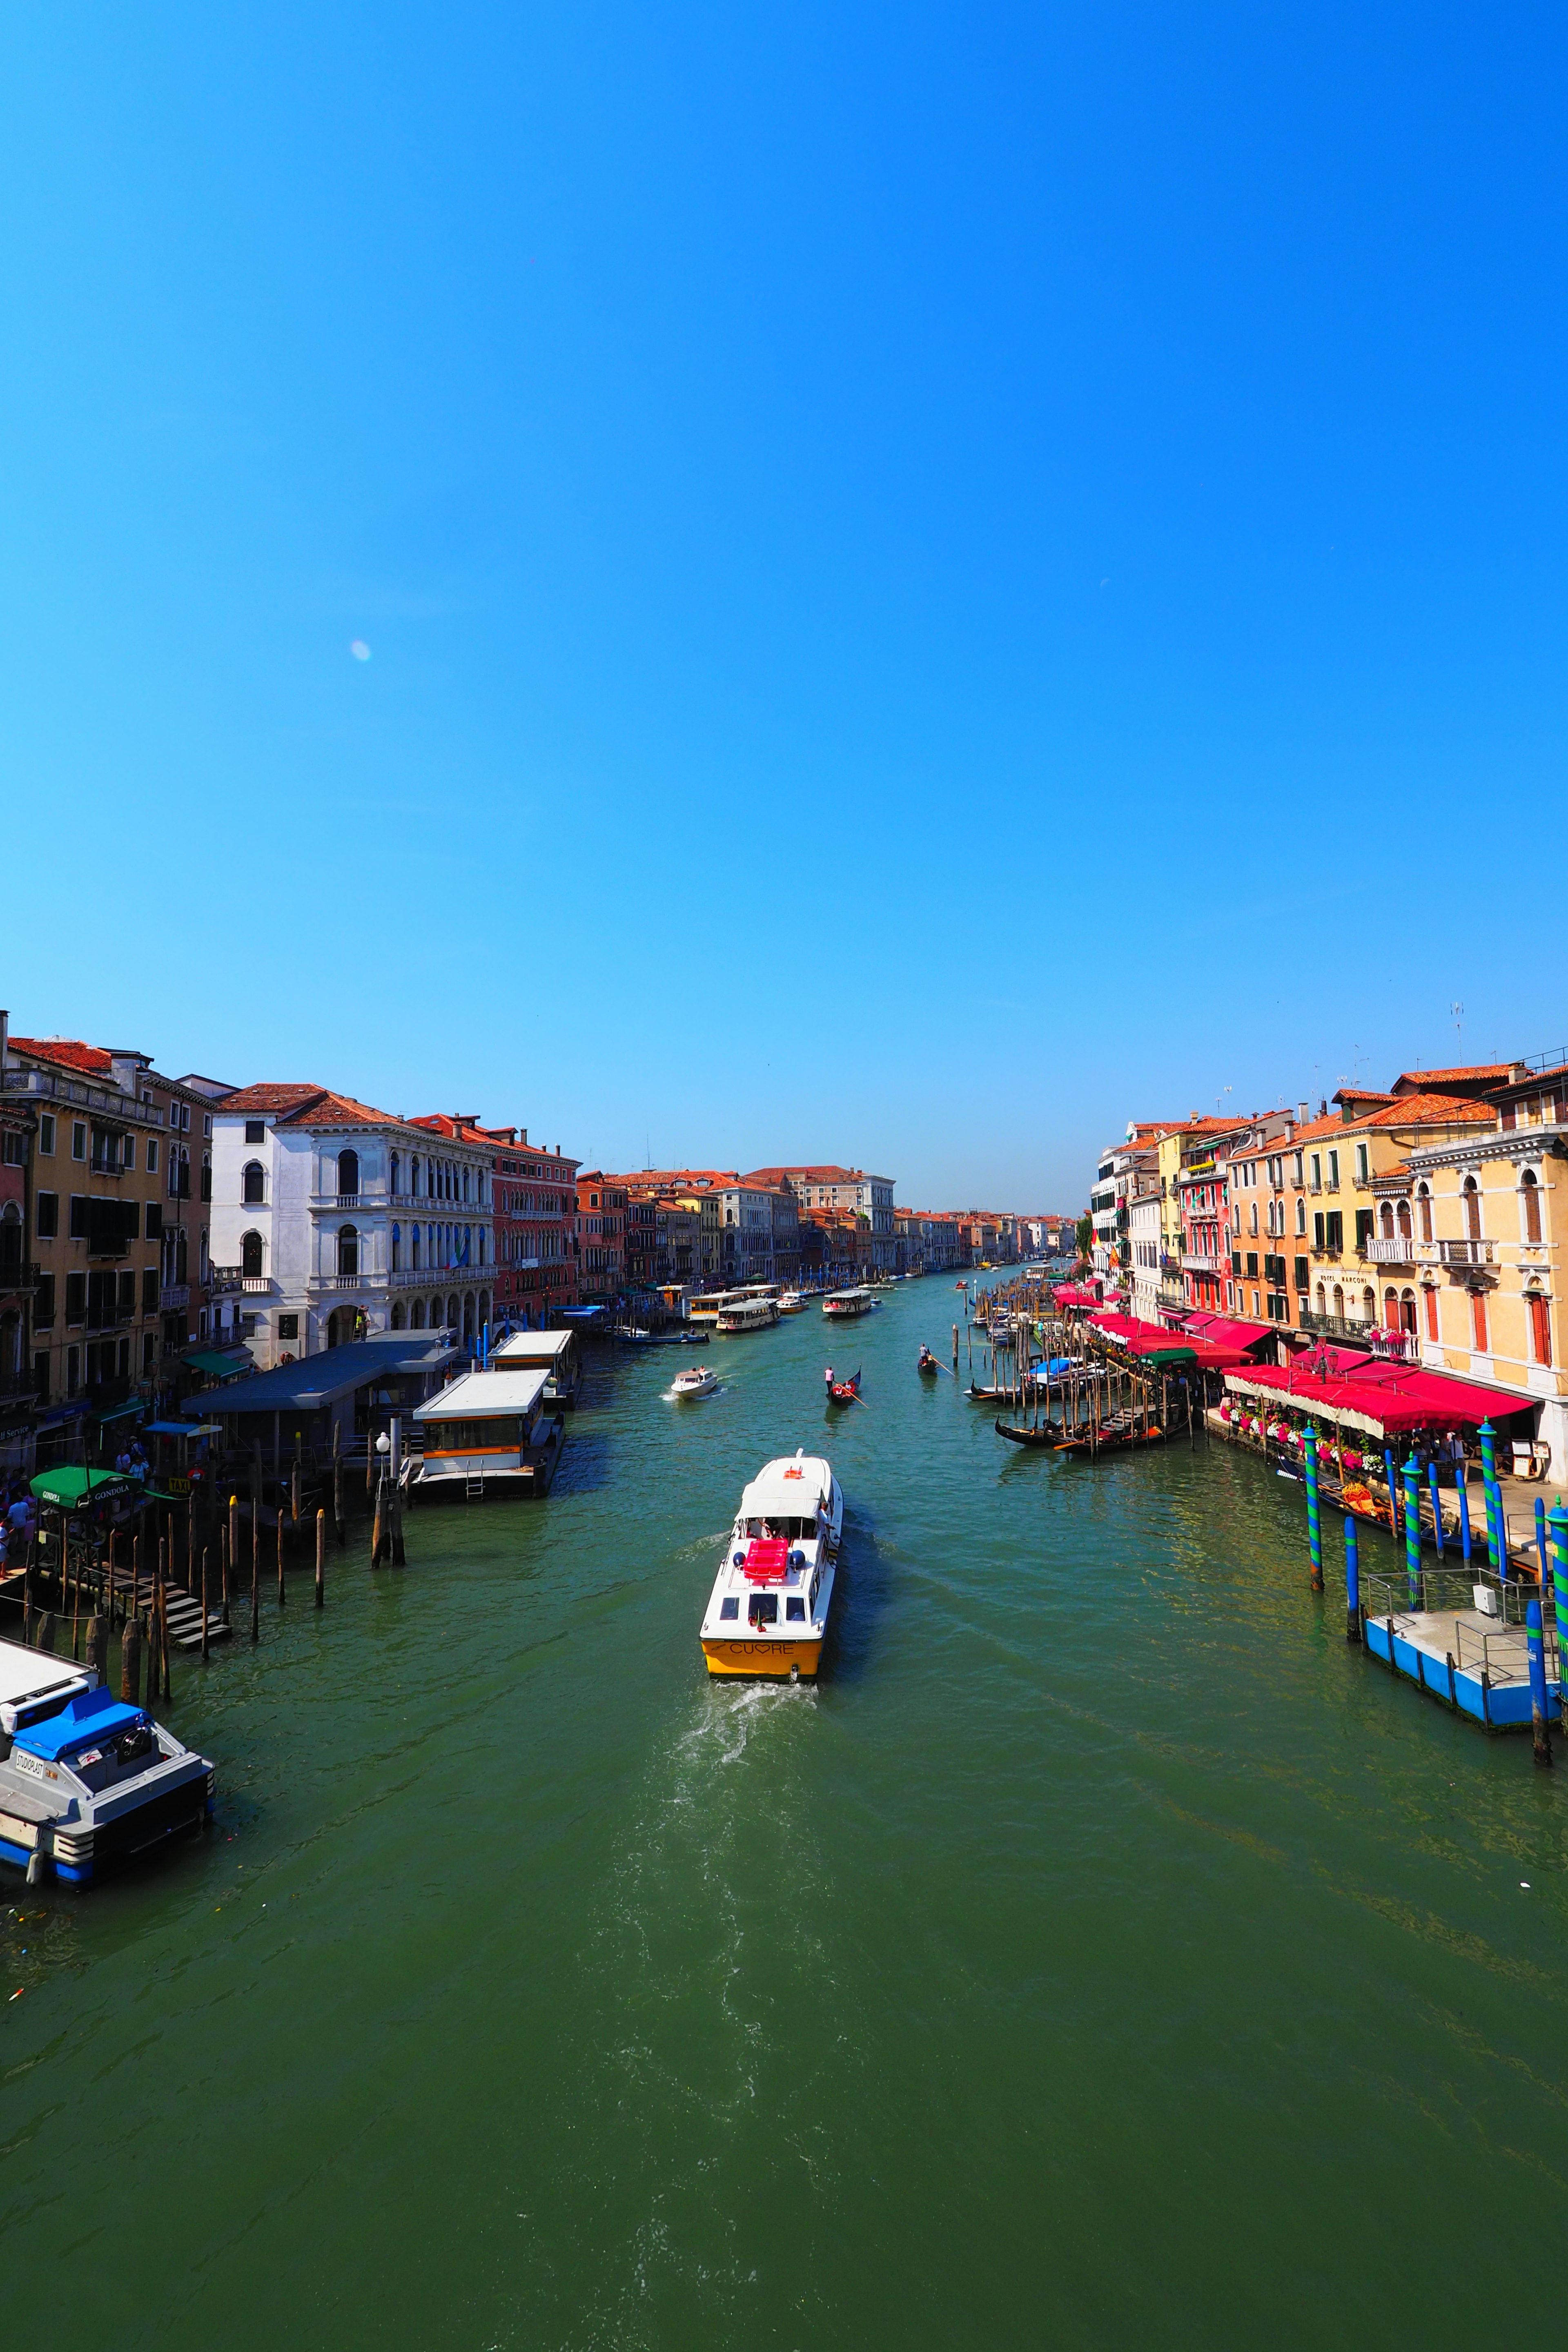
x=118, y=1412
x=70, y=1485
x=219, y=1368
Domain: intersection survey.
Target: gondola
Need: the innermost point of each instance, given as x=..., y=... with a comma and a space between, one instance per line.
x=1050, y=1434
x=1111, y=1439
x=845, y=1391
x=928, y=1365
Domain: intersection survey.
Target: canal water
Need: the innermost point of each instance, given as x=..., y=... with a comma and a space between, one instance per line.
x=1101, y=1952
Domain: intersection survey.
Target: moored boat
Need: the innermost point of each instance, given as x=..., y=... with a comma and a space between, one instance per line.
x=88, y=1779
x=767, y=1614
x=488, y=1433
x=697, y=1381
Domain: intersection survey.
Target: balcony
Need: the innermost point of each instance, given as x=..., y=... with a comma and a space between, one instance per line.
x=349, y=1200
x=1203, y=1262
x=17, y=1275
x=1384, y=1251
x=1468, y=1253
x=224, y=1280
x=173, y=1296
x=53, y=1086
x=319, y=1282
x=1373, y=1336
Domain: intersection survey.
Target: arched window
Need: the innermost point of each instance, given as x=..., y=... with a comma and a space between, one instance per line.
x=348, y=1254
x=1540, y=1325
x=1407, y=1311
x=1425, y=1199
x=398, y=1252
x=1472, y=1199
x=1391, y=1310
x=1338, y=1304
x=414, y=1176
x=348, y=1175
x=1321, y=1308
x=416, y=1316
x=1479, y=1321
x=414, y=1248
x=1531, y=1191
x=466, y=1174
x=1369, y=1305
x=398, y=1315
x=1404, y=1221
x=1432, y=1332
x=253, y=1184
x=250, y=1254
x=1386, y=1216
x=1300, y=1213
x=395, y=1164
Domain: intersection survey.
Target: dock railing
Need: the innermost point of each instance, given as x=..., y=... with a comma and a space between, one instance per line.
x=1450, y=1591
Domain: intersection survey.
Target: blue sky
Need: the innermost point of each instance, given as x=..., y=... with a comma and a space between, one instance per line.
x=935, y=579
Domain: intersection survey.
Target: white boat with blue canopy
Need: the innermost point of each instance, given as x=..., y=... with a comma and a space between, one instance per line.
x=86, y=1780
x=487, y=1432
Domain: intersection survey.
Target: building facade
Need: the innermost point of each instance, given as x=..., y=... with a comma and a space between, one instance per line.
x=533, y=1193
x=828, y=1187
x=333, y=1221
x=602, y=1203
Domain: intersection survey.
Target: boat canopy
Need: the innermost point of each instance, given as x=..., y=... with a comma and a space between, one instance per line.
x=28, y=1674
x=1382, y=1407
x=788, y=1488
x=485, y=1396
x=533, y=1348
x=86, y=1715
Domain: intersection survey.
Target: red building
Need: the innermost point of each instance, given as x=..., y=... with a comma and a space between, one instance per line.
x=602, y=1204
x=534, y=1190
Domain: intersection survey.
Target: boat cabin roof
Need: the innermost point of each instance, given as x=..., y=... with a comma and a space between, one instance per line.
x=533, y=1348
x=856, y=1290
x=91, y=1715
x=791, y=1488
x=484, y=1396
x=28, y=1674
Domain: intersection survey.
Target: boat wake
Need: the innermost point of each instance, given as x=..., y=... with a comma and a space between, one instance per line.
x=729, y=1719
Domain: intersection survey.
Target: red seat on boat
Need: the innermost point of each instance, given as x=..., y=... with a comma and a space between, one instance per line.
x=767, y=1559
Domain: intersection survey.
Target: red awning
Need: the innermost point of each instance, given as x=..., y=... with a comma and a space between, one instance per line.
x=1440, y=1393
x=1422, y=1400
x=1225, y=1331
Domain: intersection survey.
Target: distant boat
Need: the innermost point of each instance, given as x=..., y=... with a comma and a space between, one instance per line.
x=843, y=1391
x=928, y=1364
x=695, y=1382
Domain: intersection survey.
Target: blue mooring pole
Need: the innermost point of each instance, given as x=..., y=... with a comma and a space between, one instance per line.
x=1413, y=1531
x=1353, y=1577
x=1488, y=1478
x=1436, y=1511
x=1314, y=1528
x=1465, y=1516
x=1540, y=1731
x=1560, y=1598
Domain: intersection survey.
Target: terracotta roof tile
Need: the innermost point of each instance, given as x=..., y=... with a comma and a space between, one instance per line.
x=1425, y=1080
x=70, y=1053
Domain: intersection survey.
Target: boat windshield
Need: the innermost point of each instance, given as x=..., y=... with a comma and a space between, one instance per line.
x=792, y=1530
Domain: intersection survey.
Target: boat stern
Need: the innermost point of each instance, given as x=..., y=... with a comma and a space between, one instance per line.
x=769, y=1661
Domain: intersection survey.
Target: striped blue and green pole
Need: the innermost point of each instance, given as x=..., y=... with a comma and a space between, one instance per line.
x=1413, y=1531
x=1465, y=1514
x=1353, y=1578
x=1489, y=1479
x=1436, y=1511
x=1559, y=1525
x=1314, y=1528
x=1540, y=1542
x=1392, y=1492
x=1541, y=1732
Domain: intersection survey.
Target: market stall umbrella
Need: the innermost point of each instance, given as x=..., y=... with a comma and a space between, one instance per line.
x=70, y=1487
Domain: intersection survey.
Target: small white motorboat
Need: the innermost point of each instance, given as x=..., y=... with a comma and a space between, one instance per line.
x=695, y=1382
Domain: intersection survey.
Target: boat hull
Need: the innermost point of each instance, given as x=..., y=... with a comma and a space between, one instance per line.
x=765, y=1660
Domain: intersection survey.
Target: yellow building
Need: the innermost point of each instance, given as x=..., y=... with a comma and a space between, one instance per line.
x=1489, y=1216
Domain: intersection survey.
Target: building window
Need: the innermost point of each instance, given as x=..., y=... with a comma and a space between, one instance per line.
x=288, y=1327
x=46, y=1215
x=128, y=1151
x=253, y=1184
x=1531, y=1191
x=348, y=1176
x=255, y=1130
x=398, y=1252
x=207, y=1175
x=1479, y=1321
x=251, y=1254
x=1540, y=1327
x=79, y=1147
x=1424, y=1203
x=1472, y=1199
x=348, y=1254
x=152, y=1155
x=1432, y=1331
x=46, y=1135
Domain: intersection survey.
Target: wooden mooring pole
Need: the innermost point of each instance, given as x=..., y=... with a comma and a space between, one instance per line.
x=320, y=1558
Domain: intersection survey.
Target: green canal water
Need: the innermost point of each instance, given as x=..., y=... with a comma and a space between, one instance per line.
x=1102, y=1953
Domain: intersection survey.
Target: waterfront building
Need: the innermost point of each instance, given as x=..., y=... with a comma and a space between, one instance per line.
x=533, y=1193
x=1481, y=1224
x=332, y=1222
x=117, y=1170
x=827, y=1186
x=602, y=1235
x=1364, y=1279
x=1145, y=1240
x=1261, y=1172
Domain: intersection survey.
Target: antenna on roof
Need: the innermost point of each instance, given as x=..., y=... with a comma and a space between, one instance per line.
x=1457, y=1015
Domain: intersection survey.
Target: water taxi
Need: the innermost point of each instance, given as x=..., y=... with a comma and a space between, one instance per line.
x=487, y=1432
x=840, y=1305
x=86, y=1780
x=746, y=1315
x=768, y=1610
x=695, y=1382
x=792, y=1302
x=707, y=1305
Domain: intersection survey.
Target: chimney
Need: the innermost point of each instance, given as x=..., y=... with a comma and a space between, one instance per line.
x=1323, y=1109
x=1301, y=1112
x=523, y=1132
